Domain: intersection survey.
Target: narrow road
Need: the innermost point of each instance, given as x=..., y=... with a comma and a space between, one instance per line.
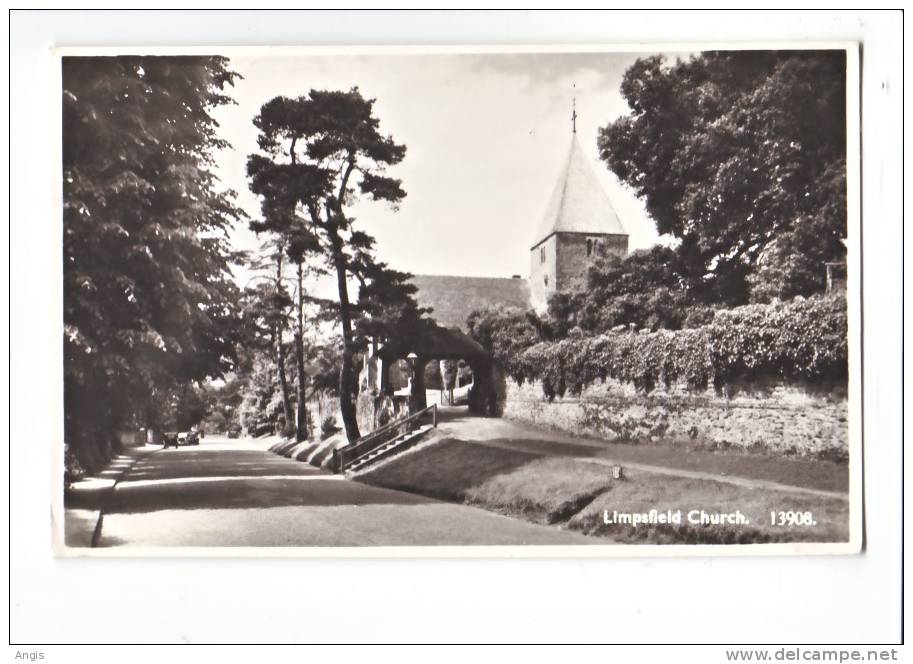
x=227, y=493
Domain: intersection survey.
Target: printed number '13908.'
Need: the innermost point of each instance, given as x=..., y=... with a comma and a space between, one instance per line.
x=790, y=518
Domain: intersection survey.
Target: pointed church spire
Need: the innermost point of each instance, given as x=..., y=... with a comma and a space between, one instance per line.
x=578, y=203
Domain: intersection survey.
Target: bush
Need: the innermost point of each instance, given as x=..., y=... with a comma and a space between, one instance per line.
x=643, y=289
x=801, y=340
x=698, y=315
x=73, y=470
x=328, y=426
x=506, y=333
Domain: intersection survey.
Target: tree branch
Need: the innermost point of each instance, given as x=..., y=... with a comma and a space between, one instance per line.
x=345, y=182
x=291, y=150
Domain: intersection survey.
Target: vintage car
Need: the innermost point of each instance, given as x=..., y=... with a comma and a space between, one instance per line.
x=179, y=439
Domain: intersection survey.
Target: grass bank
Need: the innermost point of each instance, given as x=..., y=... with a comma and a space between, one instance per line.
x=574, y=492
x=511, y=482
x=642, y=491
x=802, y=472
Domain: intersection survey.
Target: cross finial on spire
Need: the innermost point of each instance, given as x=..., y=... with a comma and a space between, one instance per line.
x=574, y=114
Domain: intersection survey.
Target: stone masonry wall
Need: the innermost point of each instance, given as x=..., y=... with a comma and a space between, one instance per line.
x=573, y=262
x=542, y=274
x=780, y=418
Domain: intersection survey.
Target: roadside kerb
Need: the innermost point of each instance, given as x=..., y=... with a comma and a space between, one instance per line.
x=84, y=501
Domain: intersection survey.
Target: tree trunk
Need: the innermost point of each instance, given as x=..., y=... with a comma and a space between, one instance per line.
x=283, y=379
x=419, y=399
x=346, y=371
x=301, y=427
x=280, y=354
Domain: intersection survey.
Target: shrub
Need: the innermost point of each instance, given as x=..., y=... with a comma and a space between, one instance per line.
x=643, y=289
x=328, y=426
x=801, y=340
x=698, y=315
x=506, y=332
x=72, y=469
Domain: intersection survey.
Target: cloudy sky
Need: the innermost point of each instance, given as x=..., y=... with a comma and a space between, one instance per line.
x=486, y=135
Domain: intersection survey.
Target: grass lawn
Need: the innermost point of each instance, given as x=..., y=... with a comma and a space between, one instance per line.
x=804, y=472
x=515, y=483
x=573, y=492
x=549, y=490
x=642, y=491
x=446, y=468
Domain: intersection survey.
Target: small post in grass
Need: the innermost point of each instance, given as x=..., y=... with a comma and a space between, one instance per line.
x=618, y=473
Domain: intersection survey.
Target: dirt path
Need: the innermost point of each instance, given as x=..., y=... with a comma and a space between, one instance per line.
x=747, y=482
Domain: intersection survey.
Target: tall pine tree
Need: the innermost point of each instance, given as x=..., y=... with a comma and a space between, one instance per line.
x=316, y=150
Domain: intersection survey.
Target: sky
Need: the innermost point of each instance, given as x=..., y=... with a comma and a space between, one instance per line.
x=486, y=137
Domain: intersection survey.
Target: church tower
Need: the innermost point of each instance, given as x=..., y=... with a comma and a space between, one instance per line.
x=580, y=225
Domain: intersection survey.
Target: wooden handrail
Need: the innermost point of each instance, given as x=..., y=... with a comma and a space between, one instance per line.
x=387, y=428
x=345, y=456
x=384, y=429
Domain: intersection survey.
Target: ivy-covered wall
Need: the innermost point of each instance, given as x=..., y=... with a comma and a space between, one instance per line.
x=772, y=416
x=802, y=341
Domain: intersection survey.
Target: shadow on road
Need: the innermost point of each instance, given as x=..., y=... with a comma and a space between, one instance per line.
x=200, y=478
x=238, y=494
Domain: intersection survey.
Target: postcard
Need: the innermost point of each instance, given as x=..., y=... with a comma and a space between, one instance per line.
x=460, y=301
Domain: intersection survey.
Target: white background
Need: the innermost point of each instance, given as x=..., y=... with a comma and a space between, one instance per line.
x=712, y=600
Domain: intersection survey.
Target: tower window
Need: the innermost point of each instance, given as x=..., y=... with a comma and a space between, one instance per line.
x=545, y=279
x=592, y=246
x=542, y=255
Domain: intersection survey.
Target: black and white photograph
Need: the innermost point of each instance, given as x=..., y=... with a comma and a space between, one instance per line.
x=413, y=300
x=346, y=328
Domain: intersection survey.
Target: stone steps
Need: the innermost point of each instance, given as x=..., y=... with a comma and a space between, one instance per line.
x=397, y=445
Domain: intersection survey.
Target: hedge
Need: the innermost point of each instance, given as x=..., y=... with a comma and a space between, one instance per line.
x=801, y=340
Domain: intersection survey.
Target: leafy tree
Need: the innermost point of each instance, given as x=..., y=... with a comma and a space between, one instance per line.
x=149, y=304
x=260, y=411
x=324, y=362
x=386, y=305
x=267, y=312
x=505, y=331
x=787, y=267
x=272, y=310
x=288, y=239
x=223, y=398
x=643, y=289
x=732, y=150
x=315, y=151
x=449, y=370
x=185, y=407
x=432, y=378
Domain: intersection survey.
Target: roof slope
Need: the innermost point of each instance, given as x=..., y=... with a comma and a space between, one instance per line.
x=578, y=204
x=454, y=298
x=439, y=343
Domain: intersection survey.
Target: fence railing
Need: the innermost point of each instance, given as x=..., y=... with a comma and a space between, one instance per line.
x=344, y=457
